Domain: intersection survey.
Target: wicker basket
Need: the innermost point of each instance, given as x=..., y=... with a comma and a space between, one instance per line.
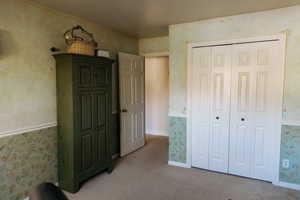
x=80, y=44
x=81, y=47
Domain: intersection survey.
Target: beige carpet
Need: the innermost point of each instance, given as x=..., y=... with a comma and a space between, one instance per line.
x=145, y=175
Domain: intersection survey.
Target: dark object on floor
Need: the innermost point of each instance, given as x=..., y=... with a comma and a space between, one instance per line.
x=47, y=191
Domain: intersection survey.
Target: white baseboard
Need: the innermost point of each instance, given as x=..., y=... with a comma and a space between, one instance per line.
x=157, y=132
x=178, y=164
x=27, y=129
x=288, y=185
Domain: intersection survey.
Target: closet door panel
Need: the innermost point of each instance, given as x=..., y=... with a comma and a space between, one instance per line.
x=241, y=118
x=255, y=109
x=200, y=106
x=266, y=108
x=220, y=107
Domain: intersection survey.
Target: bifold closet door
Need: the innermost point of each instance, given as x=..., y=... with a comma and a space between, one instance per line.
x=220, y=107
x=200, y=106
x=255, y=109
x=210, y=91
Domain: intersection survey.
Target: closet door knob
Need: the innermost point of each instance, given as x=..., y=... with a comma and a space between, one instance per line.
x=217, y=118
x=242, y=119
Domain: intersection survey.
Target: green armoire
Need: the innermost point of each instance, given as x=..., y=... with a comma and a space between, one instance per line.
x=84, y=96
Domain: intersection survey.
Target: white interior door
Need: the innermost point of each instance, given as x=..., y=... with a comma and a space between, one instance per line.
x=220, y=108
x=132, y=102
x=255, y=109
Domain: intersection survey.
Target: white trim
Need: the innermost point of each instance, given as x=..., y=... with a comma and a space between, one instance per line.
x=287, y=185
x=290, y=122
x=174, y=114
x=156, y=54
x=157, y=132
x=277, y=139
x=282, y=39
x=27, y=129
x=178, y=164
x=188, y=108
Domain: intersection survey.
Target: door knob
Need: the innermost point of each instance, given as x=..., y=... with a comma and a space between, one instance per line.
x=124, y=110
x=217, y=118
x=242, y=119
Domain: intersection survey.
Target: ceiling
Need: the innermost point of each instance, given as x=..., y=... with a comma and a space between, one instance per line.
x=150, y=18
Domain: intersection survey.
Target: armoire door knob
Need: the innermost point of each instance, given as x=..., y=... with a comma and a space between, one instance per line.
x=124, y=110
x=217, y=118
x=242, y=119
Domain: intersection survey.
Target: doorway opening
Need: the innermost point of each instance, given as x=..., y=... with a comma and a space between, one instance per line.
x=157, y=95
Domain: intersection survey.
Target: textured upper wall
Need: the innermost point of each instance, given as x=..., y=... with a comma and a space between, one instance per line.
x=240, y=26
x=27, y=69
x=153, y=45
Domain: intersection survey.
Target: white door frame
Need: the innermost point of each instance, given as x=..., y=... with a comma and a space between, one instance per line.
x=279, y=37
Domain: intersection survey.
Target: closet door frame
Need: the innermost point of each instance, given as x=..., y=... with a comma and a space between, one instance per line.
x=281, y=38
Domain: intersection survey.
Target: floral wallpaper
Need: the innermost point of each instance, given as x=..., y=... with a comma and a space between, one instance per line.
x=27, y=160
x=177, y=139
x=290, y=149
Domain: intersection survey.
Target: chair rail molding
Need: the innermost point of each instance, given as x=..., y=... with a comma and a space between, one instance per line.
x=290, y=122
x=27, y=129
x=177, y=114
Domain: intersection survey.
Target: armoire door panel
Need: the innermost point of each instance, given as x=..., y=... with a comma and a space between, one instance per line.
x=85, y=73
x=101, y=146
x=87, y=160
x=100, y=109
x=100, y=76
x=85, y=111
x=101, y=113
